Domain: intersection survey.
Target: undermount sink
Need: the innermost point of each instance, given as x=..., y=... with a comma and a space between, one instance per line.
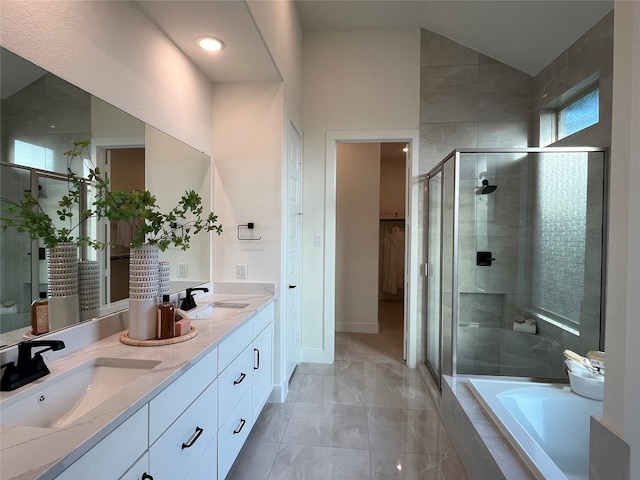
x=59, y=401
x=217, y=310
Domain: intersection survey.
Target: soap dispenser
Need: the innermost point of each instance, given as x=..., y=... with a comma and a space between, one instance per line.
x=40, y=315
x=166, y=319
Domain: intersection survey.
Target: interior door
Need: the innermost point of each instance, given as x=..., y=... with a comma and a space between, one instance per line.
x=293, y=260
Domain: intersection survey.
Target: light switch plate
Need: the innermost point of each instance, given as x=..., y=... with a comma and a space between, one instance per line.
x=241, y=270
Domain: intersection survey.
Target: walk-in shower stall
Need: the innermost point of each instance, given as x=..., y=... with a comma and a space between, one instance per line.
x=515, y=260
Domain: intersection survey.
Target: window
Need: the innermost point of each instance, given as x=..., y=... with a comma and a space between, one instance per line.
x=580, y=113
x=572, y=111
x=559, y=237
x=31, y=155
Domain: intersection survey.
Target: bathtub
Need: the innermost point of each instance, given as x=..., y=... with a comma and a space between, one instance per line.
x=546, y=423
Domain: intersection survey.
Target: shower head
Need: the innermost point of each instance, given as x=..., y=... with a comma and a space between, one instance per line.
x=486, y=188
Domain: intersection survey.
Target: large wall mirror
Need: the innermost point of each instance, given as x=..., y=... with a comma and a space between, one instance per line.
x=41, y=116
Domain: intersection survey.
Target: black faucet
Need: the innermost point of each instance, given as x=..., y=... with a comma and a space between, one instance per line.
x=28, y=368
x=188, y=302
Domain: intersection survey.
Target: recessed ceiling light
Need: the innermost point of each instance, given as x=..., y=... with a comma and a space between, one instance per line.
x=210, y=44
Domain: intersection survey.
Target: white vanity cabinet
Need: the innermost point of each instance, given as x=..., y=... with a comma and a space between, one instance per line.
x=196, y=426
x=114, y=454
x=262, y=368
x=245, y=384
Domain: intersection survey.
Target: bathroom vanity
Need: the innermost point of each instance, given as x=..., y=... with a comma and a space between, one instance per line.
x=179, y=411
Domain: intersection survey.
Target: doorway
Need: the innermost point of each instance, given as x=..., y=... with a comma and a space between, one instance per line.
x=370, y=242
x=410, y=324
x=127, y=173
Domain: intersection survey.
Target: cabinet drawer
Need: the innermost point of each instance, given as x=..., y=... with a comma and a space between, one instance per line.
x=187, y=439
x=139, y=469
x=206, y=468
x=173, y=400
x=262, y=319
x=234, y=382
x=115, y=453
x=233, y=434
x=234, y=344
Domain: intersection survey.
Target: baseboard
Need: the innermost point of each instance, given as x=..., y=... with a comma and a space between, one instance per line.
x=279, y=393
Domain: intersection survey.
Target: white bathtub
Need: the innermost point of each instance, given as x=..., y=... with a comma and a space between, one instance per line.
x=547, y=424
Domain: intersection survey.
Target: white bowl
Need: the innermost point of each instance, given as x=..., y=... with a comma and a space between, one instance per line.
x=590, y=387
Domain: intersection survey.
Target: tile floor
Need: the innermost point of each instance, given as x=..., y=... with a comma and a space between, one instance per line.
x=367, y=416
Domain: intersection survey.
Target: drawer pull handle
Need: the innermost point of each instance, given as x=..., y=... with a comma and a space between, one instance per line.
x=257, y=365
x=240, y=427
x=194, y=439
x=240, y=379
x=146, y=476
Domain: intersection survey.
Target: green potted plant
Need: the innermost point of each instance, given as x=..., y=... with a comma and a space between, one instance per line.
x=27, y=215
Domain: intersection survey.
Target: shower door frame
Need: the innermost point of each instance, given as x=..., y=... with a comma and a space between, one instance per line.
x=440, y=168
x=455, y=156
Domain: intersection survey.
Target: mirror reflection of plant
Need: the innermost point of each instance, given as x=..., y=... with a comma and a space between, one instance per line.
x=151, y=226
x=138, y=208
x=28, y=216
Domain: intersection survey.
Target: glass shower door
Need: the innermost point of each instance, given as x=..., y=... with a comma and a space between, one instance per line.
x=434, y=267
x=15, y=255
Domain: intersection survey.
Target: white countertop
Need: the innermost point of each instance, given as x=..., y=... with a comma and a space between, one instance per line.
x=30, y=452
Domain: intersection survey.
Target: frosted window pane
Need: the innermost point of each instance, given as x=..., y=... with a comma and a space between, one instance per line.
x=30, y=155
x=559, y=235
x=579, y=115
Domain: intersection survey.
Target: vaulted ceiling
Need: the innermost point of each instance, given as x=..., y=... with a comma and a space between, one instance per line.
x=526, y=34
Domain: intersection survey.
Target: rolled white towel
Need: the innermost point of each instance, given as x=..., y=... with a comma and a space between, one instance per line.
x=528, y=326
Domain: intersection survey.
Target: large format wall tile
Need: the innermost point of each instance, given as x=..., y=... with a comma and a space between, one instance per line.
x=504, y=94
x=449, y=93
x=438, y=50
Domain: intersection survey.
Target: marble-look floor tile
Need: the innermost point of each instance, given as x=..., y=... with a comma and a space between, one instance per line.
x=341, y=389
x=393, y=387
x=407, y=431
x=328, y=425
x=254, y=461
x=272, y=422
x=302, y=462
x=410, y=466
x=339, y=367
x=356, y=419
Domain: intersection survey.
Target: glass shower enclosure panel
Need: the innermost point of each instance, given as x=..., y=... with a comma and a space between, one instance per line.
x=434, y=262
x=530, y=260
x=15, y=255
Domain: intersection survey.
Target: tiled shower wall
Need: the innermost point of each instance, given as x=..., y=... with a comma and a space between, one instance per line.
x=469, y=100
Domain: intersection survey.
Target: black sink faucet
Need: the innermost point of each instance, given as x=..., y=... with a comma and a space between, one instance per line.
x=188, y=302
x=28, y=368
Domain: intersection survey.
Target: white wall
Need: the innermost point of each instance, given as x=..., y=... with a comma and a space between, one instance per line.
x=247, y=138
x=358, y=81
x=280, y=28
x=112, y=50
x=622, y=386
x=357, y=237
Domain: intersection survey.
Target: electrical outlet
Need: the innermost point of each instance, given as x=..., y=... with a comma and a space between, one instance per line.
x=183, y=270
x=241, y=270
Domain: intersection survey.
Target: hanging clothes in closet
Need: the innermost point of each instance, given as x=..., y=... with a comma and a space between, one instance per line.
x=393, y=259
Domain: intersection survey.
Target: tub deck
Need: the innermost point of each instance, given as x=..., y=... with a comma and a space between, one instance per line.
x=547, y=424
